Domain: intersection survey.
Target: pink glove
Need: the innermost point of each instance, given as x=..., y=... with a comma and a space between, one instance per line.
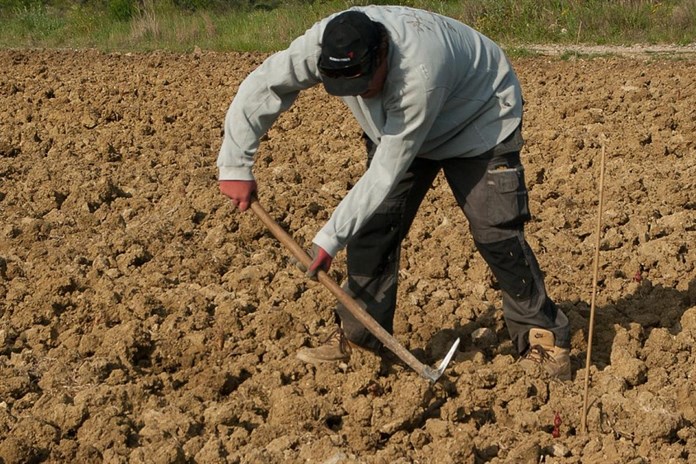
x=321, y=261
x=239, y=191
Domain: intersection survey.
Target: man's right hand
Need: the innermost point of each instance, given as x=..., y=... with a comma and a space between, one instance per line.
x=239, y=191
x=321, y=261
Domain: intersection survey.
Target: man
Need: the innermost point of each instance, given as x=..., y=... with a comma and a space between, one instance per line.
x=430, y=93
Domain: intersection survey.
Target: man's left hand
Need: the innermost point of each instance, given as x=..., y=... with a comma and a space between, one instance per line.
x=239, y=191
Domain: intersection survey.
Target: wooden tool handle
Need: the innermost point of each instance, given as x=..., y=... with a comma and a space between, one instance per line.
x=351, y=305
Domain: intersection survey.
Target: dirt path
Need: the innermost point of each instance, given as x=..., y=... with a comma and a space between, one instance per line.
x=633, y=51
x=142, y=320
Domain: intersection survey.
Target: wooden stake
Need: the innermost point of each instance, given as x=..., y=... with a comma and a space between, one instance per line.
x=583, y=425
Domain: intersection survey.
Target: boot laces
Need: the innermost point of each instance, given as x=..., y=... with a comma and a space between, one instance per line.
x=539, y=354
x=337, y=336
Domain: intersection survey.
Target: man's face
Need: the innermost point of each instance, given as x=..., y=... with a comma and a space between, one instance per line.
x=378, y=78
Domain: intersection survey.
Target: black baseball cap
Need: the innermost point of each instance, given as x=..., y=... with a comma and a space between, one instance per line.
x=349, y=53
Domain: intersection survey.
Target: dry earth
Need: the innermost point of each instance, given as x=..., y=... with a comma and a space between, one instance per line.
x=143, y=321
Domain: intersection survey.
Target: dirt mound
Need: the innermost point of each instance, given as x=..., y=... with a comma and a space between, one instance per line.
x=142, y=320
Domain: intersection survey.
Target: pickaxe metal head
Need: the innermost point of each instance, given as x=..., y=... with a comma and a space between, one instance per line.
x=434, y=374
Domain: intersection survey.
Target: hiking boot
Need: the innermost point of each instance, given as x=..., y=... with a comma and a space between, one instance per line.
x=334, y=348
x=543, y=352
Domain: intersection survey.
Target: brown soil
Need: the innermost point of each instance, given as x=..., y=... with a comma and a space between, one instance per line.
x=143, y=320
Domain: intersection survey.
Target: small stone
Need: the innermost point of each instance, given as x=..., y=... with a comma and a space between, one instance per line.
x=483, y=337
x=560, y=451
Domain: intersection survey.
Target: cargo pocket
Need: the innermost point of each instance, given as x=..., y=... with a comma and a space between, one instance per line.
x=507, y=201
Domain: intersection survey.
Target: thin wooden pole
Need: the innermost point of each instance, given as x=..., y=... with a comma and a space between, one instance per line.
x=598, y=230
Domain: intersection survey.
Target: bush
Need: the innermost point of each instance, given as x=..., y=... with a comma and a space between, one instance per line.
x=212, y=5
x=35, y=18
x=122, y=10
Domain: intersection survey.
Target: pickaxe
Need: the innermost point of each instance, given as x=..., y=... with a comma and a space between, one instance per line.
x=356, y=310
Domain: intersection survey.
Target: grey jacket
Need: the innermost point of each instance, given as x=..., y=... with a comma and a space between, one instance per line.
x=450, y=92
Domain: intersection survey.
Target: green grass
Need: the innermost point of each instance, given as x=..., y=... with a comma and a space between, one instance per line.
x=269, y=25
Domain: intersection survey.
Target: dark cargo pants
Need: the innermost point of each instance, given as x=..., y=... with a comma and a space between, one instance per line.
x=491, y=191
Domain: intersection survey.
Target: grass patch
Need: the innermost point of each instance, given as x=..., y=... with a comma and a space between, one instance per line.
x=269, y=25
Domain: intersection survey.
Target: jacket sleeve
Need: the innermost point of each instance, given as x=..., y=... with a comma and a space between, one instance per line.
x=263, y=95
x=410, y=113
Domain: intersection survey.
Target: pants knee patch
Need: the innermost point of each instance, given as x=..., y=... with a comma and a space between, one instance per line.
x=510, y=266
x=374, y=246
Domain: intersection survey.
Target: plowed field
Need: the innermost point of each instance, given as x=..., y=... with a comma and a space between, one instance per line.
x=142, y=320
